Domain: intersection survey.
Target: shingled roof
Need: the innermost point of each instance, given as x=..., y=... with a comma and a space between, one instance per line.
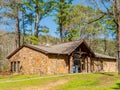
x=97, y=55
x=64, y=48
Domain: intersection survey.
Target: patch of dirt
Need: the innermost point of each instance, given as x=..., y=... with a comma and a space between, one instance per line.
x=49, y=86
x=105, y=81
x=4, y=73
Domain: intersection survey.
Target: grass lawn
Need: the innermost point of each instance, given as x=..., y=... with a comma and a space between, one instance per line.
x=102, y=81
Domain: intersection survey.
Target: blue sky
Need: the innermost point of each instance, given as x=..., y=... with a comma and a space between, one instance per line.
x=48, y=21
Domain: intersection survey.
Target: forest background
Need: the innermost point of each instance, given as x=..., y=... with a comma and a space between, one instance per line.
x=49, y=22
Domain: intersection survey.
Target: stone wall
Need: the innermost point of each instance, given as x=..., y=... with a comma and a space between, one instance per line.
x=58, y=64
x=34, y=62
x=109, y=66
x=104, y=65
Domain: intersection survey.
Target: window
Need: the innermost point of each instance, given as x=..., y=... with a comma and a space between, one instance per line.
x=18, y=66
x=76, y=55
x=11, y=67
x=14, y=66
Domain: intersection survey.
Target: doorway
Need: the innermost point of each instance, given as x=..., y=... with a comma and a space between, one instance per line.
x=76, y=66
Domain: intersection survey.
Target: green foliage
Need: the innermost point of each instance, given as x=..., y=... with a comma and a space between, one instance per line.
x=96, y=33
x=62, y=8
x=39, y=9
x=78, y=18
x=71, y=35
x=44, y=29
x=47, y=39
x=108, y=24
x=103, y=46
x=32, y=40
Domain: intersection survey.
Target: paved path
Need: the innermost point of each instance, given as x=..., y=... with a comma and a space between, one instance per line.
x=7, y=81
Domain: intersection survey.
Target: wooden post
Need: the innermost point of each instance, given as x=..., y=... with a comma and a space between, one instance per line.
x=87, y=64
x=80, y=65
x=90, y=63
x=70, y=63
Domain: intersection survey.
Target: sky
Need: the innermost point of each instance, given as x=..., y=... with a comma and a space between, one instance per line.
x=48, y=21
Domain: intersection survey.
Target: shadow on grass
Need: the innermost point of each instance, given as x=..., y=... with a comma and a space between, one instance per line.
x=117, y=87
x=107, y=74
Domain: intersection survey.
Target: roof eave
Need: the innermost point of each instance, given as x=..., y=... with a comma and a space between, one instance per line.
x=83, y=41
x=13, y=52
x=105, y=58
x=25, y=45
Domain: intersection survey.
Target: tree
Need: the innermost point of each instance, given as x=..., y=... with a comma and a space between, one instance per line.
x=62, y=8
x=109, y=8
x=96, y=34
x=17, y=30
x=45, y=31
x=76, y=25
x=40, y=9
x=32, y=40
x=13, y=13
x=26, y=21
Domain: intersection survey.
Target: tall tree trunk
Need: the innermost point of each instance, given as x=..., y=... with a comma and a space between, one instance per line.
x=17, y=31
x=61, y=40
x=61, y=22
x=105, y=45
x=36, y=23
x=118, y=42
x=23, y=28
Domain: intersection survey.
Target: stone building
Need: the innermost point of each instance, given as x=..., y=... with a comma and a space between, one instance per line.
x=71, y=57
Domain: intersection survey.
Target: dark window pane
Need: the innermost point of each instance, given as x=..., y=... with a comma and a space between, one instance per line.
x=76, y=55
x=18, y=66
x=76, y=62
x=14, y=66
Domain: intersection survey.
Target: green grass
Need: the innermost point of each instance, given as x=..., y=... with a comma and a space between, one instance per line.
x=17, y=77
x=103, y=81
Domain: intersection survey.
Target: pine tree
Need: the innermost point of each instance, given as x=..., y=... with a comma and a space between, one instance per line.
x=62, y=8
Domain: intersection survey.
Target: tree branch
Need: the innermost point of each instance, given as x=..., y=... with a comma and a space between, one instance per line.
x=96, y=19
x=104, y=5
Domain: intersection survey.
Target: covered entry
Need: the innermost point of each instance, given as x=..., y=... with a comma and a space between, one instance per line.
x=81, y=59
x=78, y=63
